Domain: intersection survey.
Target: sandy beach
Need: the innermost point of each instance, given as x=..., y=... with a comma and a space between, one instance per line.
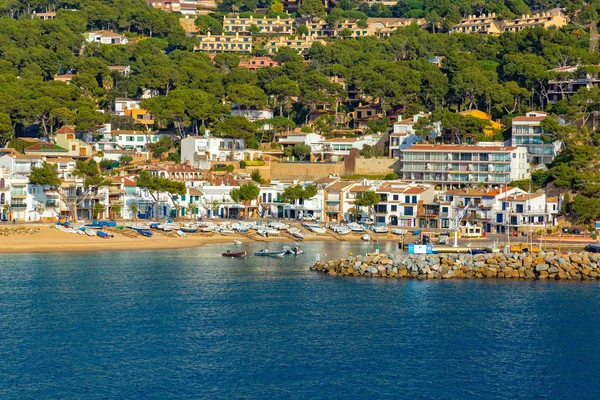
x=48, y=240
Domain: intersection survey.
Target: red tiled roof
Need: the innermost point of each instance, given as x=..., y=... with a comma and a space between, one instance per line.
x=529, y=119
x=66, y=129
x=43, y=146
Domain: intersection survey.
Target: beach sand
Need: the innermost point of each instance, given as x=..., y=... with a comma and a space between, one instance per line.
x=49, y=239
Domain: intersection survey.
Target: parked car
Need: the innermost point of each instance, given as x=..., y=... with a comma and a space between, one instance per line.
x=592, y=248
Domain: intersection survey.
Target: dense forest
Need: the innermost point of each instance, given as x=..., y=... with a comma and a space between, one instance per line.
x=503, y=75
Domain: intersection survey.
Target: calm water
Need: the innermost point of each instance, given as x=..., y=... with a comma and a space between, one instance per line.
x=191, y=324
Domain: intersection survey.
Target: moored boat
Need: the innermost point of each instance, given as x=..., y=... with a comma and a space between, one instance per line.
x=234, y=254
x=265, y=252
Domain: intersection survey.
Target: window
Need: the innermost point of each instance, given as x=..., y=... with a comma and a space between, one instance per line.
x=396, y=197
x=444, y=209
x=183, y=198
x=130, y=138
x=73, y=147
x=407, y=199
x=519, y=208
x=140, y=138
x=394, y=207
x=408, y=211
x=414, y=200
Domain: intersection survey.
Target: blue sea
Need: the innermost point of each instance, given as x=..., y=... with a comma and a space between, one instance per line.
x=190, y=324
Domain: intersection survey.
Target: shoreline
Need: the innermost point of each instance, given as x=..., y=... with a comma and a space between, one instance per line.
x=50, y=240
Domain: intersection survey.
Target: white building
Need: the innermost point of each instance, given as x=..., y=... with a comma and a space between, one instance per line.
x=123, y=104
x=527, y=132
x=337, y=148
x=449, y=165
x=200, y=151
x=403, y=134
x=105, y=37
x=137, y=140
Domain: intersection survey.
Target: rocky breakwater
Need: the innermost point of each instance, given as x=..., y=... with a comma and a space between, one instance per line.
x=543, y=265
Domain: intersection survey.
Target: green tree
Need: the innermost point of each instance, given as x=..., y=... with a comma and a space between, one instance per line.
x=312, y=9
x=367, y=199
x=236, y=127
x=206, y=23
x=133, y=209
x=98, y=209
x=115, y=211
x=245, y=194
x=6, y=128
x=256, y=177
x=125, y=159
x=291, y=194
x=302, y=151
x=156, y=185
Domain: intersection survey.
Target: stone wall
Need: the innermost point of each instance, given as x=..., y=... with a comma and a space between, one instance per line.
x=305, y=171
x=374, y=166
x=544, y=265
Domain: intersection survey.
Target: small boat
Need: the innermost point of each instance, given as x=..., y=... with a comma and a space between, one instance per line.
x=234, y=254
x=103, y=235
x=144, y=232
x=295, y=250
x=354, y=227
x=343, y=231
x=366, y=237
x=398, y=231
x=380, y=229
x=265, y=252
x=226, y=232
x=90, y=232
x=189, y=228
x=180, y=233
x=155, y=225
x=237, y=242
x=317, y=229
x=298, y=234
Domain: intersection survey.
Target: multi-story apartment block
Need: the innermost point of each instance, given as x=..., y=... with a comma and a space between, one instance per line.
x=403, y=134
x=568, y=80
x=454, y=165
x=337, y=148
x=490, y=24
x=136, y=140
x=300, y=45
x=210, y=43
x=279, y=26
x=384, y=27
x=401, y=202
x=201, y=151
x=486, y=24
x=527, y=132
x=546, y=19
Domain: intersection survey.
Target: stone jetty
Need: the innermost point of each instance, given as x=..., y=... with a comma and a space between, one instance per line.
x=543, y=265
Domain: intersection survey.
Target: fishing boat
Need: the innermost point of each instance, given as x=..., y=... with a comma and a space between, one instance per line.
x=234, y=254
x=226, y=231
x=298, y=235
x=381, y=229
x=180, y=233
x=90, y=232
x=398, y=231
x=366, y=237
x=354, y=227
x=237, y=242
x=103, y=235
x=266, y=252
x=189, y=228
x=144, y=232
x=317, y=229
x=343, y=231
x=295, y=250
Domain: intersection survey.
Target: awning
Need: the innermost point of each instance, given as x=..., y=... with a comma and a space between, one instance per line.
x=332, y=202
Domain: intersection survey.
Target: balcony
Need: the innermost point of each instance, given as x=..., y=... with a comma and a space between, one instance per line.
x=18, y=205
x=52, y=203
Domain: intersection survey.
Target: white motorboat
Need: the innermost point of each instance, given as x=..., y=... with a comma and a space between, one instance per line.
x=237, y=242
x=366, y=237
x=343, y=231
x=354, y=227
x=91, y=232
x=380, y=229
x=398, y=231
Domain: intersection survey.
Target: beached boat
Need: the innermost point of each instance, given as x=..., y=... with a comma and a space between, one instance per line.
x=298, y=235
x=90, y=232
x=237, y=242
x=265, y=252
x=398, y=231
x=180, y=233
x=103, y=235
x=226, y=231
x=343, y=231
x=234, y=254
x=144, y=232
x=354, y=227
x=366, y=237
x=380, y=229
x=189, y=228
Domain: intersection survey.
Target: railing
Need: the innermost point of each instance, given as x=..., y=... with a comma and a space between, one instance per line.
x=16, y=205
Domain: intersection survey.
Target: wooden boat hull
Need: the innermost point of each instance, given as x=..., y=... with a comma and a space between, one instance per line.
x=236, y=254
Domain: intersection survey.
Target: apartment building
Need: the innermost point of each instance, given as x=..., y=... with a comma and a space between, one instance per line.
x=450, y=166
x=337, y=148
x=527, y=132
x=210, y=43
x=485, y=24
x=384, y=27
x=300, y=45
x=201, y=151
x=403, y=134
x=278, y=26
x=568, y=80
x=546, y=19
x=136, y=140
x=402, y=204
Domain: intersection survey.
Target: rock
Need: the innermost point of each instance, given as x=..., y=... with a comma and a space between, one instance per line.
x=372, y=270
x=543, y=275
x=541, y=267
x=357, y=264
x=527, y=261
x=552, y=270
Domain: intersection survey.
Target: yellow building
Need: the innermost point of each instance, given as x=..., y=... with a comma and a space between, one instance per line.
x=282, y=26
x=553, y=18
x=301, y=45
x=140, y=116
x=486, y=23
x=224, y=43
x=496, y=126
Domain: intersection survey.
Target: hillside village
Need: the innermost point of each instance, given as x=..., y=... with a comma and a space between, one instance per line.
x=177, y=128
